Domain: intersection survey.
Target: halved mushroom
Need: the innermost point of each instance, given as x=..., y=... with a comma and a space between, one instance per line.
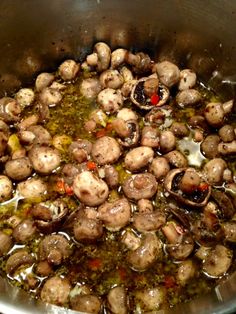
x=138, y=186
x=49, y=216
x=217, y=261
x=181, y=183
x=139, y=97
x=54, y=248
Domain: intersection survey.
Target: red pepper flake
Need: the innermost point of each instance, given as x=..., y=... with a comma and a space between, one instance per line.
x=122, y=273
x=101, y=133
x=91, y=165
x=69, y=190
x=169, y=282
x=154, y=99
x=60, y=186
x=95, y=264
x=203, y=187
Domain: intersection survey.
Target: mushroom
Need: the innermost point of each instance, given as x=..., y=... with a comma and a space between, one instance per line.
x=140, y=99
x=54, y=248
x=168, y=73
x=179, y=129
x=188, y=97
x=80, y=150
x=18, y=259
x=134, y=133
x=49, y=216
x=226, y=206
x=110, y=100
x=159, y=167
x=140, y=62
x=24, y=231
x=146, y=254
x=138, y=186
x=56, y=290
x=150, y=137
x=227, y=148
x=105, y=150
x=115, y=215
x=187, y=80
x=25, y=97
x=118, y=57
x=159, y=116
x=42, y=136
x=127, y=114
x=9, y=110
x=32, y=188
x=215, y=112
x=217, y=262
x=131, y=240
x=89, y=189
x=185, y=272
x=111, y=176
x=3, y=143
x=44, y=159
x=214, y=170
x=138, y=158
x=5, y=243
x=68, y=70
x=187, y=186
x=111, y=79
x=146, y=222
x=226, y=133
x=90, y=88
x=117, y=300
x=6, y=188
x=209, y=147
x=50, y=96
x=43, y=80
x=176, y=159
x=145, y=206
x=150, y=300
x=86, y=226
x=100, y=57
x=19, y=168
x=167, y=141
x=229, y=229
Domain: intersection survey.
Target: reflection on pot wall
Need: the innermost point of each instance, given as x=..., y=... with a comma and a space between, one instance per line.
x=39, y=34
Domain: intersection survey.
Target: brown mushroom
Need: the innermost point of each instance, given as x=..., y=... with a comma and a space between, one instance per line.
x=18, y=259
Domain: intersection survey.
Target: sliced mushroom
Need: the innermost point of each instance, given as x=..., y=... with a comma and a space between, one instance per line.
x=49, y=216
x=115, y=215
x=54, y=248
x=138, y=186
x=89, y=189
x=145, y=255
x=140, y=99
x=18, y=259
x=56, y=291
x=217, y=261
x=196, y=197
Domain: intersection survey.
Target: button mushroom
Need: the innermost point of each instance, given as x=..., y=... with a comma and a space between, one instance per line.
x=130, y=138
x=110, y=100
x=68, y=70
x=43, y=80
x=214, y=170
x=118, y=57
x=138, y=186
x=5, y=243
x=115, y=215
x=32, y=188
x=50, y=96
x=111, y=79
x=25, y=97
x=6, y=188
x=217, y=261
x=89, y=189
x=188, y=97
x=117, y=300
x=145, y=255
x=150, y=299
x=159, y=167
x=146, y=222
x=150, y=137
x=101, y=56
x=90, y=88
x=187, y=80
x=209, y=146
x=138, y=158
x=54, y=248
x=139, y=96
x=86, y=303
x=18, y=259
x=105, y=150
x=56, y=291
x=168, y=73
x=188, y=187
x=44, y=159
x=24, y=231
x=19, y=168
x=9, y=110
x=215, y=113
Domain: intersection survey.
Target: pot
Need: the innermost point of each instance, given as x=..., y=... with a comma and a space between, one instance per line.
x=37, y=35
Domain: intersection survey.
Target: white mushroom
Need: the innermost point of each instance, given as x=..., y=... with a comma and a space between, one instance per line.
x=138, y=158
x=111, y=79
x=168, y=73
x=106, y=150
x=68, y=70
x=110, y=100
x=25, y=97
x=188, y=79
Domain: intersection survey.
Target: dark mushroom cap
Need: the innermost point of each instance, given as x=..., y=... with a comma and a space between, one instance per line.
x=197, y=199
x=139, y=98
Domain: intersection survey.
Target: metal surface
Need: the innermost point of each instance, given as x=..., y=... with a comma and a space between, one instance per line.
x=37, y=35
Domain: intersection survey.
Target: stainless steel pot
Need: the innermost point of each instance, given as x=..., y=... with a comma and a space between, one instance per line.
x=36, y=35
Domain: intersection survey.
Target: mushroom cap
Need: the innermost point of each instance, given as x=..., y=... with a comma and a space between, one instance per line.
x=197, y=199
x=139, y=98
